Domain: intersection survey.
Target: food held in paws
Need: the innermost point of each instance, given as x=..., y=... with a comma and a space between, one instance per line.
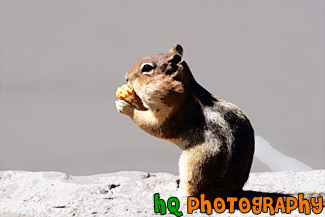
x=126, y=93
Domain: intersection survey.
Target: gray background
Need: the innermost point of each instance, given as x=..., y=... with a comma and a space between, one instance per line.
x=61, y=62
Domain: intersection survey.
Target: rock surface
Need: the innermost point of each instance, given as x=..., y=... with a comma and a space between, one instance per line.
x=40, y=194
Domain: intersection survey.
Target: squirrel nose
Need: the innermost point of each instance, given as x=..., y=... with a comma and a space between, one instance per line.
x=126, y=77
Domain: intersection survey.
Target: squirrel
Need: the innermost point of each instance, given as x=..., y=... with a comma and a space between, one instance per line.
x=215, y=136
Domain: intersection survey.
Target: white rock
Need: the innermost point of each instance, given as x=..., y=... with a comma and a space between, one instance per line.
x=41, y=194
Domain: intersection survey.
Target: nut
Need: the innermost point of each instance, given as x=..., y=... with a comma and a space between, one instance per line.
x=126, y=93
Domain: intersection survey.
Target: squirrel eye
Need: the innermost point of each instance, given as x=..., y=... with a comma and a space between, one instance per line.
x=146, y=68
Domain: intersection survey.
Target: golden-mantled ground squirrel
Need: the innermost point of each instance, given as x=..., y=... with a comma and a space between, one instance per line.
x=216, y=138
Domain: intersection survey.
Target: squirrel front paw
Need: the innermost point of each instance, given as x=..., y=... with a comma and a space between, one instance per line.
x=124, y=107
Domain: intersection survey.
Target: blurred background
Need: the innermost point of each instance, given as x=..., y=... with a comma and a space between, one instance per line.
x=61, y=62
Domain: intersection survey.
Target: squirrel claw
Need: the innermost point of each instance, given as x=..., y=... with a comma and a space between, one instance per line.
x=124, y=107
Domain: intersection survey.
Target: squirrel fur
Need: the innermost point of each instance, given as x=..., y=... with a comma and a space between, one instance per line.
x=215, y=136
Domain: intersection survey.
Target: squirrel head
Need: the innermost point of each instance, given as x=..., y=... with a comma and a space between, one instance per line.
x=161, y=79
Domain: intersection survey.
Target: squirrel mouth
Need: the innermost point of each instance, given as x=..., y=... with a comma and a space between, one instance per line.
x=135, y=93
x=139, y=104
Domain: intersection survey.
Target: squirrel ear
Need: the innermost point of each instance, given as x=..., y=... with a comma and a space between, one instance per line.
x=176, y=48
x=175, y=59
